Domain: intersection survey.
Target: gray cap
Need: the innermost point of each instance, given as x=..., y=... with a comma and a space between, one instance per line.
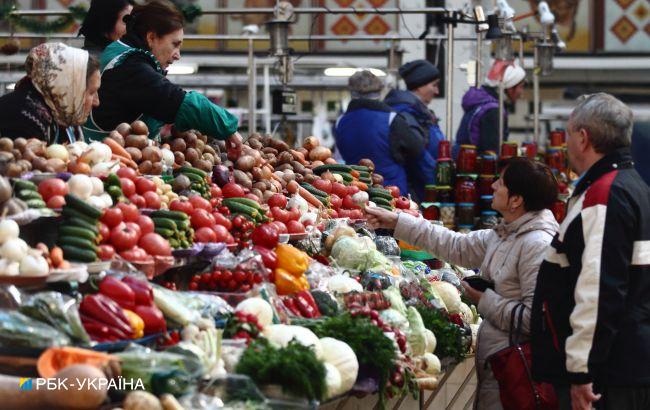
x=364, y=83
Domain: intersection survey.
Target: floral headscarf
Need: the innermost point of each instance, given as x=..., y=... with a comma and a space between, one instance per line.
x=59, y=73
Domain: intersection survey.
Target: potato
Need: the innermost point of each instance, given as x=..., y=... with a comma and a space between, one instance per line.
x=179, y=157
x=200, y=146
x=124, y=129
x=139, y=127
x=242, y=179
x=152, y=154
x=117, y=137
x=20, y=143
x=136, y=154
x=209, y=150
x=208, y=157
x=17, y=154
x=137, y=141
x=285, y=158
x=311, y=143
x=191, y=139
x=245, y=163
x=202, y=137
x=156, y=168
x=191, y=155
x=178, y=145
x=39, y=163
x=320, y=154
x=145, y=167
x=204, y=165
x=6, y=144
x=255, y=143
x=14, y=170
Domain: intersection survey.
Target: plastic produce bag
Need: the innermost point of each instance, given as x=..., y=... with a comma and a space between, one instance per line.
x=387, y=245
x=234, y=391
x=57, y=310
x=247, y=259
x=18, y=330
x=318, y=275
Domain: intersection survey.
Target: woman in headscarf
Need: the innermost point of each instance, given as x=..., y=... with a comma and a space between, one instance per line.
x=54, y=98
x=104, y=24
x=134, y=85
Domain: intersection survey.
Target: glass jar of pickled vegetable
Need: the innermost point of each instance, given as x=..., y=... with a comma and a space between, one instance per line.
x=529, y=150
x=556, y=159
x=466, y=190
x=484, y=185
x=488, y=164
x=443, y=149
x=431, y=211
x=444, y=172
x=465, y=213
x=448, y=213
x=509, y=149
x=466, y=163
x=557, y=138
x=444, y=194
x=489, y=220
x=485, y=203
x=430, y=193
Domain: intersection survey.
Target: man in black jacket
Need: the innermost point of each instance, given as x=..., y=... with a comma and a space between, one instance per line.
x=590, y=321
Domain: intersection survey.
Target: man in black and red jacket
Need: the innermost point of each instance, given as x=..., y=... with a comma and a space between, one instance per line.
x=590, y=320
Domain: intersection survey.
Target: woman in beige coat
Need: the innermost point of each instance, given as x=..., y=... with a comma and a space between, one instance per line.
x=508, y=256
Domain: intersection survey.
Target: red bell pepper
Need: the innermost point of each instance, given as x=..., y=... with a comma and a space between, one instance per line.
x=142, y=290
x=106, y=311
x=290, y=304
x=269, y=257
x=306, y=303
x=154, y=321
x=118, y=291
x=98, y=328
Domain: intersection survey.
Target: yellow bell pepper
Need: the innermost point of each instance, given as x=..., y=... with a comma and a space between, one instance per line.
x=136, y=322
x=304, y=283
x=286, y=283
x=291, y=259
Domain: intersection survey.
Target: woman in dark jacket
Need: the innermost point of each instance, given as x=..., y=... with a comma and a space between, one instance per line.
x=134, y=85
x=55, y=97
x=104, y=24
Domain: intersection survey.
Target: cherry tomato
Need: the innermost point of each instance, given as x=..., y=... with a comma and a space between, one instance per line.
x=227, y=275
x=194, y=286
x=240, y=276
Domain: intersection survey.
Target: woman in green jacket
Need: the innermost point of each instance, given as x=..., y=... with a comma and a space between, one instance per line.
x=134, y=85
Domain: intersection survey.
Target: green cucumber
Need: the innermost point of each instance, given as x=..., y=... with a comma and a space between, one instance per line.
x=236, y=207
x=183, y=225
x=27, y=194
x=379, y=192
x=165, y=233
x=174, y=243
x=331, y=167
x=380, y=201
x=313, y=190
x=35, y=203
x=194, y=178
x=79, y=205
x=77, y=231
x=366, y=181
x=72, y=253
x=175, y=215
x=184, y=244
x=245, y=201
x=346, y=176
x=165, y=223
x=77, y=242
x=81, y=223
x=20, y=184
x=114, y=191
x=113, y=180
x=360, y=168
x=69, y=212
x=192, y=170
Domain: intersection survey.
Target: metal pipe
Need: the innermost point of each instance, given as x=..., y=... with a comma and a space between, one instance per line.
x=450, y=78
x=267, y=99
x=501, y=112
x=252, y=89
x=536, y=73
x=521, y=52
x=479, y=50
x=270, y=10
x=229, y=37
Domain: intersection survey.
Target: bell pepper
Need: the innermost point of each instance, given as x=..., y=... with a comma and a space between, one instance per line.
x=154, y=321
x=142, y=290
x=286, y=283
x=304, y=283
x=99, y=330
x=290, y=304
x=118, y=291
x=137, y=324
x=104, y=310
x=269, y=258
x=291, y=259
x=307, y=304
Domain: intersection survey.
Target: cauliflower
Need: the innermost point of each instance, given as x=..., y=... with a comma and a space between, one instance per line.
x=449, y=294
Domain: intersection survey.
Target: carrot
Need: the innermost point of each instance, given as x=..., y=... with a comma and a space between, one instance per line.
x=125, y=161
x=116, y=148
x=56, y=254
x=361, y=185
x=355, y=173
x=309, y=197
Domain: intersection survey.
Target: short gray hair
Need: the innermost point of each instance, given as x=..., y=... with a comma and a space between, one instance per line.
x=365, y=84
x=607, y=120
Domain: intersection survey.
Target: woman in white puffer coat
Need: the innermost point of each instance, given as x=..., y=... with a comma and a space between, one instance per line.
x=508, y=256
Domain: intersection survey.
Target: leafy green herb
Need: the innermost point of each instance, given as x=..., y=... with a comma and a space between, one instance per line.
x=294, y=367
x=450, y=338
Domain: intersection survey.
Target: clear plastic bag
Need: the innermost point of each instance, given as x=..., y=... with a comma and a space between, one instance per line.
x=57, y=310
x=247, y=259
x=318, y=275
x=20, y=331
x=387, y=245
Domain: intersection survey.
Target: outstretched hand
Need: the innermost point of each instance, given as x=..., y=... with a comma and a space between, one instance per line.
x=380, y=218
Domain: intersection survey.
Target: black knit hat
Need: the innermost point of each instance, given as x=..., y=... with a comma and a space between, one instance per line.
x=418, y=73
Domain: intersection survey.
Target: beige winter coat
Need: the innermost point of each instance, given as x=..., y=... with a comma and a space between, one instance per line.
x=508, y=255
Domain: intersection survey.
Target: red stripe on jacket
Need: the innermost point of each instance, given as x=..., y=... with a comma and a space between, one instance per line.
x=598, y=192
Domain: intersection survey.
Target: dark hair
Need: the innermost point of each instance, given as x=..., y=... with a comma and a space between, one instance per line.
x=91, y=67
x=101, y=18
x=532, y=180
x=158, y=16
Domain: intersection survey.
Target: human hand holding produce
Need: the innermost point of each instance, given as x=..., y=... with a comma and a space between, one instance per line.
x=381, y=218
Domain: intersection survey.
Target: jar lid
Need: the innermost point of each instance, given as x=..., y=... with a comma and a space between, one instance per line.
x=489, y=156
x=556, y=148
x=447, y=204
x=443, y=188
x=489, y=213
x=430, y=186
x=512, y=143
x=425, y=205
x=487, y=176
x=465, y=226
x=466, y=204
x=487, y=196
x=468, y=146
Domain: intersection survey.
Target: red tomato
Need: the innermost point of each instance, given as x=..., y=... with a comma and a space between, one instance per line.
x=348, y=203
x=152, y=199
x=280, y=214
x=135, y=227
x=205, y=235
x=394, y=191
x=352, y=189
x=130, y=212
x=138, y=201
x=295, y=227
x=143, y=185
x=215, y=191
x=112, y=217
x=282, y=228
x=265, y=235
x=323, y=184
x=232, y=190
x=335, y=201
x=278, y=200
x=104, y=232
x=333, y=213
x=294, y=214
x=198, y=202
x=201, y=218
x=127, y=173
x=339, y=189
x=229, y=239
x=55, y=202
x=52, y=187
x=155, y=244
x=402, y=203
x=106, y=252
x=182, y=206
x=146, y=224
x=123, y=237
x=221, y=234
x=128, y=187
x=135, y=254
x=221, y=219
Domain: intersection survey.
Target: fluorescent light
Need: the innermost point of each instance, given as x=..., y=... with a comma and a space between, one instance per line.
x=182, y=69
x=349, y=71
x=11, y=86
